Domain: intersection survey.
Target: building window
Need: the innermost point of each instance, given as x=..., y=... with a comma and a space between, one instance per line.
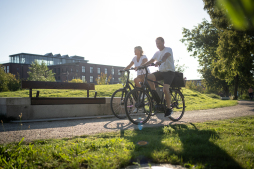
x=91, y=69
x=112, y=71
x=113, y=79
x=4, y=69
x=98, y=70
x=119, y=79
x=119, y=73
x=77, y=70
x=7, y=70
x=83, y=69
x=91, y=78
x=23, y=60
x=71, y=69
x=84, y=79
x=106, y=71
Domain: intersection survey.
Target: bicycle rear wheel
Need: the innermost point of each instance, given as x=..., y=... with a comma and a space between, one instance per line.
x=177, y=104
x=117, y=103
x=138, y=111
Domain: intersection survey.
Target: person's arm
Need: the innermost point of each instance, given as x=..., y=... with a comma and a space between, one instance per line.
x=144, y=61
x=129, y=66
x=164, y=58
x=148, y=63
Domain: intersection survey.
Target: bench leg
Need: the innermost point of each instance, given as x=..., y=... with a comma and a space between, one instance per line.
x=37, y=94
x=87, y=93
x=30, y=93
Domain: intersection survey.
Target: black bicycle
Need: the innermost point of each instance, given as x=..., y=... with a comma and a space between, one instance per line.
x=118, y=97
x=142, y=103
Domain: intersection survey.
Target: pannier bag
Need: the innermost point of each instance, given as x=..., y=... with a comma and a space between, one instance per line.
x=178, y=80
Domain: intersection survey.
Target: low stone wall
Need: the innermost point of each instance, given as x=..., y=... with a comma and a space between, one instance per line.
x=15, y=106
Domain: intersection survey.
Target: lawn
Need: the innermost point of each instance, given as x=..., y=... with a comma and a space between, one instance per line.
x=193, y=100
x=215, y=144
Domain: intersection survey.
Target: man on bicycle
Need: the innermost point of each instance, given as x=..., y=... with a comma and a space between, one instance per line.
x=164, y=59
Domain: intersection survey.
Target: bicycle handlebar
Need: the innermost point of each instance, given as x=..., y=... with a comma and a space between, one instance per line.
x=143, y=67
x=127, y=70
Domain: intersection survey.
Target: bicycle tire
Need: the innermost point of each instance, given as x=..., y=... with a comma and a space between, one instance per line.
x=178, y=105
x=117, y=106
x=131, y=102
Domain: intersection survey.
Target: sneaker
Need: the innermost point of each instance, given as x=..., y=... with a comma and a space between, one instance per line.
x=168, y=112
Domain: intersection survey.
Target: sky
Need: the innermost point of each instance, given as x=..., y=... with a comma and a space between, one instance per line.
x=103, y=31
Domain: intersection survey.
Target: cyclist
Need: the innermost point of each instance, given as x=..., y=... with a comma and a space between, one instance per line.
x=138, y=60
x=164, y=59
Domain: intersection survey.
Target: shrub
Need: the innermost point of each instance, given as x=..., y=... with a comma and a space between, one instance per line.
x=8, y=81
x=244, y=96
x=76, y=81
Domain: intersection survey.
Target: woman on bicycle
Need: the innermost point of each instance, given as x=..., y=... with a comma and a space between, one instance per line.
x=138, y=60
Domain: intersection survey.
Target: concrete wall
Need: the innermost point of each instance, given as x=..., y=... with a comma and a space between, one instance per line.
x=15, y=106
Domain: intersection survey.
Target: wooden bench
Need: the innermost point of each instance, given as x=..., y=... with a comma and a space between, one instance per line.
x=61, y=100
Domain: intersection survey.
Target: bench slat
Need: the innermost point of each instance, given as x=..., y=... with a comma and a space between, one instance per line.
x=57, y=85
x=60, y=101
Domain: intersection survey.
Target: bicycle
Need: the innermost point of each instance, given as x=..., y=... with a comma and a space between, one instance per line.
x=151, y=103
x=116, y=104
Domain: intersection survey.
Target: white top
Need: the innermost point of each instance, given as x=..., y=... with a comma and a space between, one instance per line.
x=168, y=65
x=138, y=63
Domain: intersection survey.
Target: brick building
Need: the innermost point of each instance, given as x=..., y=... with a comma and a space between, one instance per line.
x=65, y=67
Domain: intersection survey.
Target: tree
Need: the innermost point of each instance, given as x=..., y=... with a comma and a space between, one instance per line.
x=103, y=79
x=202, y=42
x=235, y=48
x=40, y=72
x=180, y=68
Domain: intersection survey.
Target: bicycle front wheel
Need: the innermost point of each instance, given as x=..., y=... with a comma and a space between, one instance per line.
x=138, y=106
x=177, y=104
x=117, y=103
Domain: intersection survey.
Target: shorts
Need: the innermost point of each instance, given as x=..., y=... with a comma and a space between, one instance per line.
x=167, y=77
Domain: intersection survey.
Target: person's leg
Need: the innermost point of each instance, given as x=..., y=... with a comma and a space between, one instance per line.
x=153, y=78
x=168, y=78
x=136, y=81
x=167, y=95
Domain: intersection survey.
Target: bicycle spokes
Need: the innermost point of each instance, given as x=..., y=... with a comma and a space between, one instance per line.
x=177, y=104
x=138, y=106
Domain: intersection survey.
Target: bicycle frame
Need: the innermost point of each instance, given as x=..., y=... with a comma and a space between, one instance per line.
x=128, y=84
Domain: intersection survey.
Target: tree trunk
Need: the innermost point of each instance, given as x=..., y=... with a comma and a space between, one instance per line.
x=236, y=87
x=226, y=89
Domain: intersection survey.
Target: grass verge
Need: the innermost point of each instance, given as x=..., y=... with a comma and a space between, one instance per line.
x=215, y=144
x=193, y=100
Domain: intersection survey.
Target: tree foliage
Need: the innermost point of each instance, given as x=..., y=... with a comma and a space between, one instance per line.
x=40, y=72
x=180, y=68
x=8, y=81
x=202, y=42
x=102, y=79
x=235, y=48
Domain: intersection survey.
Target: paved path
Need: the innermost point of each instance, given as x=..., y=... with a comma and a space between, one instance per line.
x=70, y=128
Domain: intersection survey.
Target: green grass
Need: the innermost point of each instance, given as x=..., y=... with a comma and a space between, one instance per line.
x=215, y=144
x=193, y=100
